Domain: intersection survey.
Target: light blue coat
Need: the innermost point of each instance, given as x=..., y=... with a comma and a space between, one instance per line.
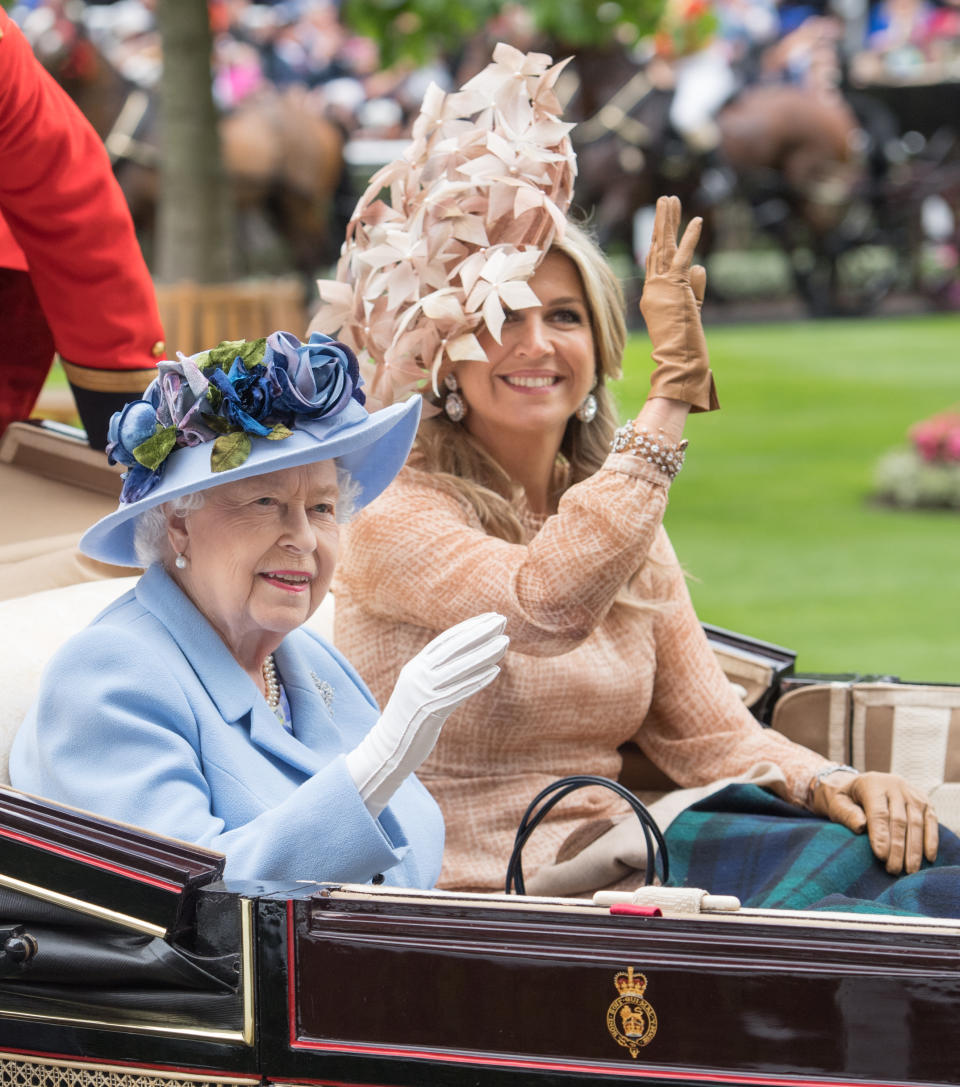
x=145, y=717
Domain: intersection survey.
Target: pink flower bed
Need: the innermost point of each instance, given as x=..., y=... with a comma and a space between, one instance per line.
x=937, y=439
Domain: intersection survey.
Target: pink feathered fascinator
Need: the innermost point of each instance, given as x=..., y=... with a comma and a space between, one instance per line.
x=447, y=236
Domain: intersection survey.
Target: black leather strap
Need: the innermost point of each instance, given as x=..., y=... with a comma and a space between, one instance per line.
x=563, y=787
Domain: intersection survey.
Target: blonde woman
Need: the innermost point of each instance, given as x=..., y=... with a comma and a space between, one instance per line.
x=520, y=497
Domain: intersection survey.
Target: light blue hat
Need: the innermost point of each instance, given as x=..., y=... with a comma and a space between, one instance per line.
x=243, y=409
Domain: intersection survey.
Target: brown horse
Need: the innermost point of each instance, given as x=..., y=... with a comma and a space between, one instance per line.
x=791, y=153
x=283, y=157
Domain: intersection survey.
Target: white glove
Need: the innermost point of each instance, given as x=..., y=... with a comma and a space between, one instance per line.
x=456, y=664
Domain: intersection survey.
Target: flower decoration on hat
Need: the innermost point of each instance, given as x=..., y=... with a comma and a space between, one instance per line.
x=239, y=390
x=444, y=239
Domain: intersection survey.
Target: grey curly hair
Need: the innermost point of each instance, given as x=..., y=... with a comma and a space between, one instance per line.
x=150, y=533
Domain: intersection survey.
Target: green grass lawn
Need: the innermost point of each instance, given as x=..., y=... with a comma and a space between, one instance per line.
x=772, y=517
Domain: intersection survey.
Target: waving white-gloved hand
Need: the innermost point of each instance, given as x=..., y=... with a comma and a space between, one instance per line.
x=456, y=664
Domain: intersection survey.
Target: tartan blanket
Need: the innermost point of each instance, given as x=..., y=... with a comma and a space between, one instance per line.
x=747, y=842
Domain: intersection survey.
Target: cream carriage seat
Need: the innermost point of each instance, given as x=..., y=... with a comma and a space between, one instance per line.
x=33, y=627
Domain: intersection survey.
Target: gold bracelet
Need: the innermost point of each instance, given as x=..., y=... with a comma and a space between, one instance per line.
x=655, y=449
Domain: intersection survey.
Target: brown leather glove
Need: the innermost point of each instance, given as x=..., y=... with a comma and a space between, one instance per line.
x=901, y=824
x=670, y=304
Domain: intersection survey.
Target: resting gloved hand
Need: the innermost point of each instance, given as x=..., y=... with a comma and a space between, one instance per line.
x=670, y=304
x=898, y=819
x=456, y=664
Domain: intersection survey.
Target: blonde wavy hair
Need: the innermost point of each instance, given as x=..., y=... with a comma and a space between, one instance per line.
x=459, y=465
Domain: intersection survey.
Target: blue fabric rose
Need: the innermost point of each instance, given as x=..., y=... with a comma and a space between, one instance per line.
x=249, y=396
x=129, y=428
x=316, y=378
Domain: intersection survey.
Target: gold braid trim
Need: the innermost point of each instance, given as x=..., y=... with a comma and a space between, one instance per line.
x=107, y=381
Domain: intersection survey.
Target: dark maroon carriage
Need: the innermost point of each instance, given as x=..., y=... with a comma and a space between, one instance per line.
x=127, y=961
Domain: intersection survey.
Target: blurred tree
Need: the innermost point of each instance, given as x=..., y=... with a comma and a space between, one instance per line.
x=194, y=235
x=416, y=30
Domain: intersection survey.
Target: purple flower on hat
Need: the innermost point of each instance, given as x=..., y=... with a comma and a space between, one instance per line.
x=180, y=391
x=317, y=378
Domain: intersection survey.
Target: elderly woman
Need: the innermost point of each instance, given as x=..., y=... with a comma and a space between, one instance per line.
x=198, y=705
x=520, y=497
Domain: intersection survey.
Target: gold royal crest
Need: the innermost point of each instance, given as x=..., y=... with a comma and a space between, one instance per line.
x=630, y=1019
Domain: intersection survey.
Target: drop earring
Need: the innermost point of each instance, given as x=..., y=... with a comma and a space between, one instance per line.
x=454, y=405
x=180, y=561
x=587, y=411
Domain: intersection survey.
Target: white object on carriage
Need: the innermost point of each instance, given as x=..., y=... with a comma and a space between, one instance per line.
x=670, y=899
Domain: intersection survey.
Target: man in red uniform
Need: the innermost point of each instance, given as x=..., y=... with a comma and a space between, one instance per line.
x=72, y=277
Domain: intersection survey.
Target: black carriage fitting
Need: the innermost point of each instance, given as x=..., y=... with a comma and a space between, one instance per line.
x=49, y=850
x=563, y=787
x=17, y=948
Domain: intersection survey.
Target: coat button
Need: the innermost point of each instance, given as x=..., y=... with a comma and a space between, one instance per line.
x=158, y=349
x=378, y=878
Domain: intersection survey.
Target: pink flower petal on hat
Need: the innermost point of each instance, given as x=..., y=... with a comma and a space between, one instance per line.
x=526, y=199
x=403, y=284
x=493, y=314
x=441, y=306
x=518, y=295
x=470, y=228
x=466, y=348
x=431, y=112
x=469, y=271
x=379, y=256
x=336, y=306
x=501, y=200
x=526, y=63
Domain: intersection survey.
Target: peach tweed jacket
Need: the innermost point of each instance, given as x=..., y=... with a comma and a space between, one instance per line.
x=589, y=666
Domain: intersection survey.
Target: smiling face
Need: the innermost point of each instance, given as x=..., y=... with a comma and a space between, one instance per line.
x=260, y=554
x=541, y=373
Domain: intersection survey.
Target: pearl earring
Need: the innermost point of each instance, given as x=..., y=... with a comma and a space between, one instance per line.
x=180, y=561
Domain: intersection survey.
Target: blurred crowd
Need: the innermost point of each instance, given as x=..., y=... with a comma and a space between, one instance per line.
x=708, y=48
x=258, y=45
x=911, y=41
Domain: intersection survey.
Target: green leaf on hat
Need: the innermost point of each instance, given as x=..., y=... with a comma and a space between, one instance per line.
x=278, y=432
x=251, y=353
x=155, y=450
x=223, y=354
x=229, y=451
x=219, y=424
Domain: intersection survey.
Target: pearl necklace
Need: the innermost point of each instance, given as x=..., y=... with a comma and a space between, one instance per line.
x=271, y=682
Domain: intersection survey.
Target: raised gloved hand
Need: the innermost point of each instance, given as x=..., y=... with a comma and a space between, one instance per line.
x=670, y=304
x=901, y=824
x=456, y=664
